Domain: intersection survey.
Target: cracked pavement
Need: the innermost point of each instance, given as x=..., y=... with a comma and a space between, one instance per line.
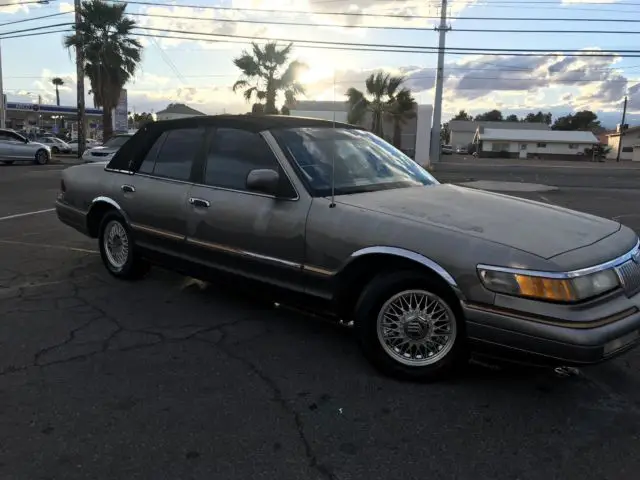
x=169, y=378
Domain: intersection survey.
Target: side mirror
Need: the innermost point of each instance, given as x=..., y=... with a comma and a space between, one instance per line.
x=263, y=180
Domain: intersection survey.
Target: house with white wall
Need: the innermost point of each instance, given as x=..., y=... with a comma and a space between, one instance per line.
x=416, y=131
x=636, y=153
x=630, y=138
x=543, y=144
x=177, y=110
x=462, y=132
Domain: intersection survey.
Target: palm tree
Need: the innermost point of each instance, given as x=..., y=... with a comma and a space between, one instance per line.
x=400, y=109
x=111, y=53
x=382, y=91
x=265, y=73
x=57, y=82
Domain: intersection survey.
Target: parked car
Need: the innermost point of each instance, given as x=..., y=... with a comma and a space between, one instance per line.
x=55, y=144
x=461, y=150
x=16, y=148
x=447, y=150
x=107, y=150
x=331, y=217
x=90, y=143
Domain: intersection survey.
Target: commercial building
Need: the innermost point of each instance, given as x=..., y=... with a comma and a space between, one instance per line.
x=416, y=130
x=630, y=138
x=177, y=110
x=464, y=131
x=543, y=144
x=50, y=118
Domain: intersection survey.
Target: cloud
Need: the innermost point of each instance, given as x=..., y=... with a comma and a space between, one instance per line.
x=15, y=6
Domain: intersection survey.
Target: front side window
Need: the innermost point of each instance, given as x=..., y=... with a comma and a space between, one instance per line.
x=233, y=154
x=173, y=153
x=358, y=161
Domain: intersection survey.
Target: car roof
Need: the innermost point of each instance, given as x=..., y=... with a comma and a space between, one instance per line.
x=254, y=123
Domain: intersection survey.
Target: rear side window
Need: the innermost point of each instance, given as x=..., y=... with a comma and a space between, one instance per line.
x=173, y=153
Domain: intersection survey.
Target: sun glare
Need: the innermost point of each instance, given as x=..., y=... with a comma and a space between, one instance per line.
x=316, y=73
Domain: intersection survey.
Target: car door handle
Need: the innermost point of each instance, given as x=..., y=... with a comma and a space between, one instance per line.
x=128, y=188
x=199, y=202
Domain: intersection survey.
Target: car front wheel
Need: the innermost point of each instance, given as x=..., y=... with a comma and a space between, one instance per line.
x=118, y=250
x=410, y=327
x=55, y=150
x=42, y=157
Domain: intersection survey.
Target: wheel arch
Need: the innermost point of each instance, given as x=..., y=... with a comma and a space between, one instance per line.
x=99, y=207
x=364, y=264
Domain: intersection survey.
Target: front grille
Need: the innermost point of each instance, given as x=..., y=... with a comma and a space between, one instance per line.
x=99, y=154
x=629, y=273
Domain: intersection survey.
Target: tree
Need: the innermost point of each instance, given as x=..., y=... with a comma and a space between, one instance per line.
x=512, y=118
x=141, y=119
x=265, y=73
x=584, y=120
x=490, y=116
x=111, y=54
x=445, y=133
x=383, y=97
x=539, y=118
x=401, y=109
x=462, y=115
x=57, y=82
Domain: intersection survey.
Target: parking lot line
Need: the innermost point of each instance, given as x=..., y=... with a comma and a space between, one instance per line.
x=18, y=215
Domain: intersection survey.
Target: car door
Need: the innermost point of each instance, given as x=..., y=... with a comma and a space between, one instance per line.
x=22, y=149
x=7, y=151
x=257, y=235
x=155, y=196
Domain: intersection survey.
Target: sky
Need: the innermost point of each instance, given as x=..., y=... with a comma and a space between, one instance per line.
x=201, y=73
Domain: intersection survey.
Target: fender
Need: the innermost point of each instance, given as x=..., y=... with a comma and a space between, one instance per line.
x=409, y=255
x=113, y=203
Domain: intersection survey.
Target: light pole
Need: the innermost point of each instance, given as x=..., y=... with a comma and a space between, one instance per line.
x=3, y=107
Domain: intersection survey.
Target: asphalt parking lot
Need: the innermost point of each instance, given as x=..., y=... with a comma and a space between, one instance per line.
x=171, y=379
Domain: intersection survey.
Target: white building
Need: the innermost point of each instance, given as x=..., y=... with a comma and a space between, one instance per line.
x=636, y=153
x=177, y=110
x=462, y=132
x=416, y=131
x=552, y=144
x=630, y=138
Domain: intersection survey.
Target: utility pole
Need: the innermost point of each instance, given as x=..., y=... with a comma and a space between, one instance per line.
x=80, y=81
x=3, y=107
x=624, y=114
x=434, y=154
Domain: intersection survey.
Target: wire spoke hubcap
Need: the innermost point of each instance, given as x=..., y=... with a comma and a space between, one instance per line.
x=416, y=327
x=116, y=244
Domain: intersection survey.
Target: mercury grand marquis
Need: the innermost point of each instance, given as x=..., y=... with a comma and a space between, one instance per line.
x=336, y=218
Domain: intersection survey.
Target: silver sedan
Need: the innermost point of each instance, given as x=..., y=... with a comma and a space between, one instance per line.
x=14, y=147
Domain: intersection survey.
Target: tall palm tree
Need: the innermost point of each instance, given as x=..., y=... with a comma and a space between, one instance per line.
x=400, y=109
x=111, y=53
x=265, y=73
x=57, y=82
x=379, y=99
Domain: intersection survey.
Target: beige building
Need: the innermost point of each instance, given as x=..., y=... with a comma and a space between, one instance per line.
x=551, y=144
x=630, y=138
x=463, y=131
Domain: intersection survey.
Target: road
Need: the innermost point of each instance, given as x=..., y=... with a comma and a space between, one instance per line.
x=171, y=379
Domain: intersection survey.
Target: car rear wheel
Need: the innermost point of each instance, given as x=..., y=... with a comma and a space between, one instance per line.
x=117, y=249
x=42, y=157
x=411, y=327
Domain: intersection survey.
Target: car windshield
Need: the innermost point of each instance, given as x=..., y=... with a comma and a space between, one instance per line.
x=359, y=160
x=117, y=141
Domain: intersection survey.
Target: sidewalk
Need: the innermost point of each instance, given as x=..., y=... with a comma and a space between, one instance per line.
x=514, y=162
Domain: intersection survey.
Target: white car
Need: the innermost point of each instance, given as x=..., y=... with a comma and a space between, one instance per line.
x=16, y=148
x=90, y=143
x=106, y=151
x=57, y=145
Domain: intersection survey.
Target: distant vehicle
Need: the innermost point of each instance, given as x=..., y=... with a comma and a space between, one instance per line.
x=107, y=150
x=90, y=143
x=57, y=145
x=447, y=150
x=16, y=148
x=461, y=150
x=329, y=217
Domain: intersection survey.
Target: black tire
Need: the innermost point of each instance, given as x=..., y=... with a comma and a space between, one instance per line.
x=8, y=162
x=42, y=157
x=380, y=291
x=55, y=150
x=133, y=266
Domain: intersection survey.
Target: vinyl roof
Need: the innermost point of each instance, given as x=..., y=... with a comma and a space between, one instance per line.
x=538, y=136
x=255, y=123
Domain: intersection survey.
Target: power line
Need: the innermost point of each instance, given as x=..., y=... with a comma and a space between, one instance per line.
x=36, y=34
x=32, y=19
x=380, y=15
x=28, y=2
x=33, y=29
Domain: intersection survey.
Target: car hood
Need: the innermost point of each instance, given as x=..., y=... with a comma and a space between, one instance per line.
x=38, y=145
x=103, y=149
x=537, y=228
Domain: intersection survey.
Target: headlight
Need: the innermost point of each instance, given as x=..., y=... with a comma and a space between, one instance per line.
x=536, y=285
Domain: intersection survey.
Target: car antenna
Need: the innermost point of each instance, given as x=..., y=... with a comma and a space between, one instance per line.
x=333, y=152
